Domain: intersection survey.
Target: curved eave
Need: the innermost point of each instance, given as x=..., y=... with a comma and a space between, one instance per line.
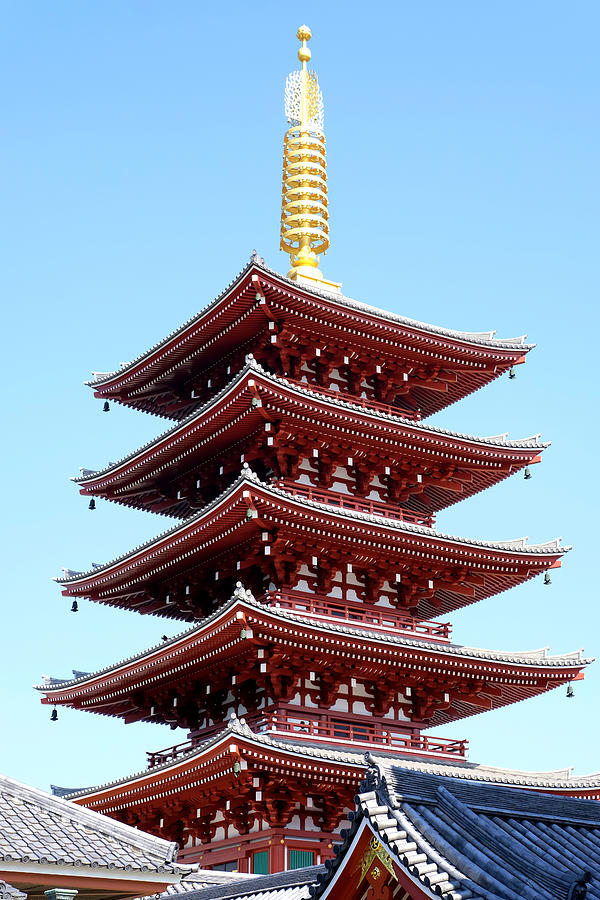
x=219, y=422
x=239, y=299
x=513, y=676
x=215, y=758
x=346, y=763
x=169, y=352
x=245, y=509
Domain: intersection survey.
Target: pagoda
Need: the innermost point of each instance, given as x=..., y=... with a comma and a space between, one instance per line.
x=303, y=480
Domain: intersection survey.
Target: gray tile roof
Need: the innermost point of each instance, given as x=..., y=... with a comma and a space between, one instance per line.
x=500, y=440
x=519, y=657
x=294, y=885
x=196, y=881
x=484, y=339
x=38, y=828
x=472, y=840
x=8, y=892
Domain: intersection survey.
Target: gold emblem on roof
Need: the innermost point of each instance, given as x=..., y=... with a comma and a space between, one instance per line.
x=375, y=852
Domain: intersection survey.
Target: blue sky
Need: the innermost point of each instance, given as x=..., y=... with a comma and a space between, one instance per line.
x=142, y=160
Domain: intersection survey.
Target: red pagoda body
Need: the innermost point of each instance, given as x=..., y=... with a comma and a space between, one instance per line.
x=302, y=483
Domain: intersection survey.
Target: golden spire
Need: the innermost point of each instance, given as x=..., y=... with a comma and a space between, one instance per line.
x=304, y=228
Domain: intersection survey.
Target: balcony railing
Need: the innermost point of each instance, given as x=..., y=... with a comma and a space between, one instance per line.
x=169, y=754
x=371, y=616
x=413, y=414
x=347, y=501
x=327, y=731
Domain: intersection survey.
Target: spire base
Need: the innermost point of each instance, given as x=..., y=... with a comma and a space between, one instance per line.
x=312, y=277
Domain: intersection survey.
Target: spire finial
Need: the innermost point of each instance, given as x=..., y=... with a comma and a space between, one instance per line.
x=304, y=228
x=304, y=34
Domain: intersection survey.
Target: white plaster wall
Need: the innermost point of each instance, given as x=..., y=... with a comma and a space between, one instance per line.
x=301, y=585
x=340, y=487
x=359, y=690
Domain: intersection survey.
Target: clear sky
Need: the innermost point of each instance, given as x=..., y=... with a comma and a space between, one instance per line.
x=141, y=158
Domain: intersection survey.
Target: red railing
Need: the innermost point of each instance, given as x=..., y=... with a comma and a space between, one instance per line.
x=358, y=733
x=326, y=730
x=347, y=501
x=374, y=617
x=158, y=757
x=413, y=414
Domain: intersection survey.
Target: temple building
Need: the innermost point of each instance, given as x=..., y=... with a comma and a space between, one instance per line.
x=422, y=837
x=302, y=479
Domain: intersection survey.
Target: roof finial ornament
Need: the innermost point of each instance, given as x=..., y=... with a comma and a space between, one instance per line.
x=304, y=225
x=374, y=779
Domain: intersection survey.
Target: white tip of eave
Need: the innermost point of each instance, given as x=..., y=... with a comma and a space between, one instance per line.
x=498, y=438
x=514, y=543
x=534, y=437
x=554, y=544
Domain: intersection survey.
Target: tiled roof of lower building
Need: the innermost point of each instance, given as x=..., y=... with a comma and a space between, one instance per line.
x=37, y=828
x=203, y=878
x=473, y=840
x=294, y=885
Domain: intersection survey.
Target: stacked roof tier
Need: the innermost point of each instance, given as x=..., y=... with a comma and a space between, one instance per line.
x=287, y=671
x=299, y=464
x=281, y=537
x=291, y=431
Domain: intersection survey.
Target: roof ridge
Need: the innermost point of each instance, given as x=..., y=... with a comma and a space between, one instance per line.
x=239, y=592
x=108, y=375
x=482, y=337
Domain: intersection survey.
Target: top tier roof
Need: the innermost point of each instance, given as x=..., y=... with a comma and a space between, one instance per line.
x=258, y=296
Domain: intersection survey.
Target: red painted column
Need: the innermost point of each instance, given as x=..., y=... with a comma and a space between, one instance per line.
x=277, y=856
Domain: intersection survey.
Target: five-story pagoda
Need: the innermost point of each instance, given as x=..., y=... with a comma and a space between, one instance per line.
x=304, y=482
